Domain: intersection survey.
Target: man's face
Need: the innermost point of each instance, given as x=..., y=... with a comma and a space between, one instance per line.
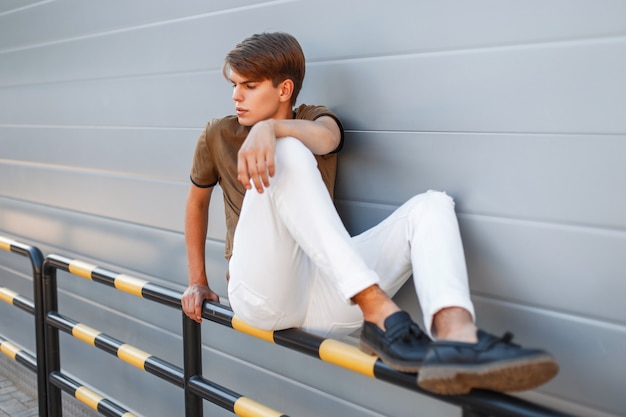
x=255, y=100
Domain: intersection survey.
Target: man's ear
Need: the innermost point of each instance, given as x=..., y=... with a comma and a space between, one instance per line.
x=286, y=90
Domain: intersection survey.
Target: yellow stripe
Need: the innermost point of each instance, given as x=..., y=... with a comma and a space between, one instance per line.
x=87, y=396
x=5, y=244
x=245, y=407
x=127, y=414
x=7, y=295
x=9, y=349
x=347, y=356
x=85, y=333
x=238, y=324
x=82, y=269
x=129, y=284
x=132, y=355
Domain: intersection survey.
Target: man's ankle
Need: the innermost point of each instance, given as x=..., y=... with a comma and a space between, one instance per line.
x=455, y=324
x=375, y=305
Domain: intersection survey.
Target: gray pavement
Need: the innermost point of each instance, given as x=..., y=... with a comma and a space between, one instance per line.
x=15, y=402
x=18, y=393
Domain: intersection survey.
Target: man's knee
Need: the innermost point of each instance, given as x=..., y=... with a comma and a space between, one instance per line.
x=432, y=198
x=292, y=154
x=440, y=197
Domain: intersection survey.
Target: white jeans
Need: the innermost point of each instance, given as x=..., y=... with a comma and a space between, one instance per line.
x=295, y=265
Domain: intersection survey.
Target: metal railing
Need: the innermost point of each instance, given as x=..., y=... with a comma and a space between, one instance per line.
x=189, y=378
x=478, y=403
x=36, y=363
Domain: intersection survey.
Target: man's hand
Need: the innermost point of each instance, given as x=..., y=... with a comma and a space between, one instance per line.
x=255, y=160
x=193, y=299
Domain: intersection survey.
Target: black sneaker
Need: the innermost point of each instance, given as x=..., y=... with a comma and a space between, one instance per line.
x=452, y=368
x=401, y=346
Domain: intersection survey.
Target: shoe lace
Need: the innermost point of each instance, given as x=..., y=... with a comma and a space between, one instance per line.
x=506, y=338
x=409, y=333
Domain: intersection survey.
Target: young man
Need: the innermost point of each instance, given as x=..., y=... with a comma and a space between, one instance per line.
x=293, y=264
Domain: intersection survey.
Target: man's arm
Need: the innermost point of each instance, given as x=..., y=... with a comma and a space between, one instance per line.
x=196, y=223
x=256, y=155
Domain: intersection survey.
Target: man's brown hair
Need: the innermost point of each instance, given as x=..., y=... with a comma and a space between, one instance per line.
x=268, y=56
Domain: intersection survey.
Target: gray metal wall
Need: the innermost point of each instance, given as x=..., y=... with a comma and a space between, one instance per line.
x=514, y=108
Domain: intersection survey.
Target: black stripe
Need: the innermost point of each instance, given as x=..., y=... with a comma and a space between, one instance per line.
x=385, y=373
x=59, y=262
x=66, y=384
x=60, y=322
x=108, y=343
x=218, y=313
x=299, y=340
x=218, y=395
x=161, y=294
x=27, y=360
x=104, y=276
x=165, y=370
x=24, y=304
x=21, y=248
x=109, y=408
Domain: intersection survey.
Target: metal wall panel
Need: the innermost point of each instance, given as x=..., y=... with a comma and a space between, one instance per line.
x=564, y=179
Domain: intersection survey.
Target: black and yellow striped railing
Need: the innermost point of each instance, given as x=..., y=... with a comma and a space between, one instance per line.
x=479, y=403
x=122, y=282
x=10, y=245
x=195, y=386
x=15, y=299
x=18, y=354
x=88, y=396
x=328, y=350
x=229, y=400
x=123, y=351
x=34, y=307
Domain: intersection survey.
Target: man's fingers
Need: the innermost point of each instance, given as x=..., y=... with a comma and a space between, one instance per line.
x=242, y=171
x=199, y=303
x=270, y=165
x=258, y=180
x=255, y=173
x=265, y=178
x=190, y=309
x=198, y=309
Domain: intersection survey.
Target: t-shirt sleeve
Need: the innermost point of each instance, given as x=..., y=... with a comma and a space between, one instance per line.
x=315, y=112
x=203, y=169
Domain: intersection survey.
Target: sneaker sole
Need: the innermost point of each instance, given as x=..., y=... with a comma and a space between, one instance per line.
x=407, y=367
x=517, y=375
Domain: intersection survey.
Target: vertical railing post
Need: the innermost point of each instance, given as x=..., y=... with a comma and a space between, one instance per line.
x=192, y=359
x=53, y=354
x=36, y=260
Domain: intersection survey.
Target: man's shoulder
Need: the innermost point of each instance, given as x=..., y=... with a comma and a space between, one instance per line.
x=224, y=128
x=222, y=122
x=312, y=112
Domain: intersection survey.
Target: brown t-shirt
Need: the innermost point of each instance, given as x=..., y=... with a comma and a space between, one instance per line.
x=215, y=161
